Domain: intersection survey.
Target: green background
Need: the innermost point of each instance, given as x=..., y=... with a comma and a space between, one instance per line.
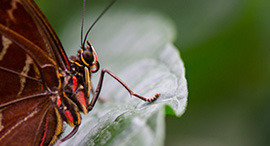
x=225, y=47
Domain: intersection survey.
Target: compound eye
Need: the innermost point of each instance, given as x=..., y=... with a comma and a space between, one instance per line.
x=87, y=57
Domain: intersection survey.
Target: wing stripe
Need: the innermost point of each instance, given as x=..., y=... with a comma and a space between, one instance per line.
x=45, y=132
x=25, y=71
x=1, y=118
x=19, y=123
x=6, y=43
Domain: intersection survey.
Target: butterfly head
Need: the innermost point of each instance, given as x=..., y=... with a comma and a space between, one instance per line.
x=85, y=58
x=88, y=57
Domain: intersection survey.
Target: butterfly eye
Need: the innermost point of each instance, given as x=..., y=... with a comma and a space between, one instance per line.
x=87, y=57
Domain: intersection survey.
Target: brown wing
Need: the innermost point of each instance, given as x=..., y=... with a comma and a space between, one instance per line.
x=25, y=18
x=29, y=122
x=30, y=56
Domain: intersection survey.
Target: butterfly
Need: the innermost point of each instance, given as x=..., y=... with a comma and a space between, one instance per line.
x=40, y=87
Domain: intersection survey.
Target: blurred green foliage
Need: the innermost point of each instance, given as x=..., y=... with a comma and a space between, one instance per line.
x=225, y=47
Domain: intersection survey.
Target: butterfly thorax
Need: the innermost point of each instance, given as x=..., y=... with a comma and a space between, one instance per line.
x=76, y=86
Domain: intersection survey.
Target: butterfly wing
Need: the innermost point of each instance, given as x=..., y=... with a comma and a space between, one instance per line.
x=30, y=122
x=30, y=58
x=26, y=19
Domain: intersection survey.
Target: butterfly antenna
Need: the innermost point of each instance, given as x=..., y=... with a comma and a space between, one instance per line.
x=101, y=14
x=83, y=12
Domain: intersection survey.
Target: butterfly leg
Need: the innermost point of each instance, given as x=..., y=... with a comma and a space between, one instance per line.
x=98, y=89
x=100, y=99
x=72, y=133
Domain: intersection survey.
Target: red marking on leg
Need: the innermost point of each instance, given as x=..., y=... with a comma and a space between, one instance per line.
x=58, y=102
x=75, y=84
x=69, y=116
x=80, y=96
x=44, y=133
